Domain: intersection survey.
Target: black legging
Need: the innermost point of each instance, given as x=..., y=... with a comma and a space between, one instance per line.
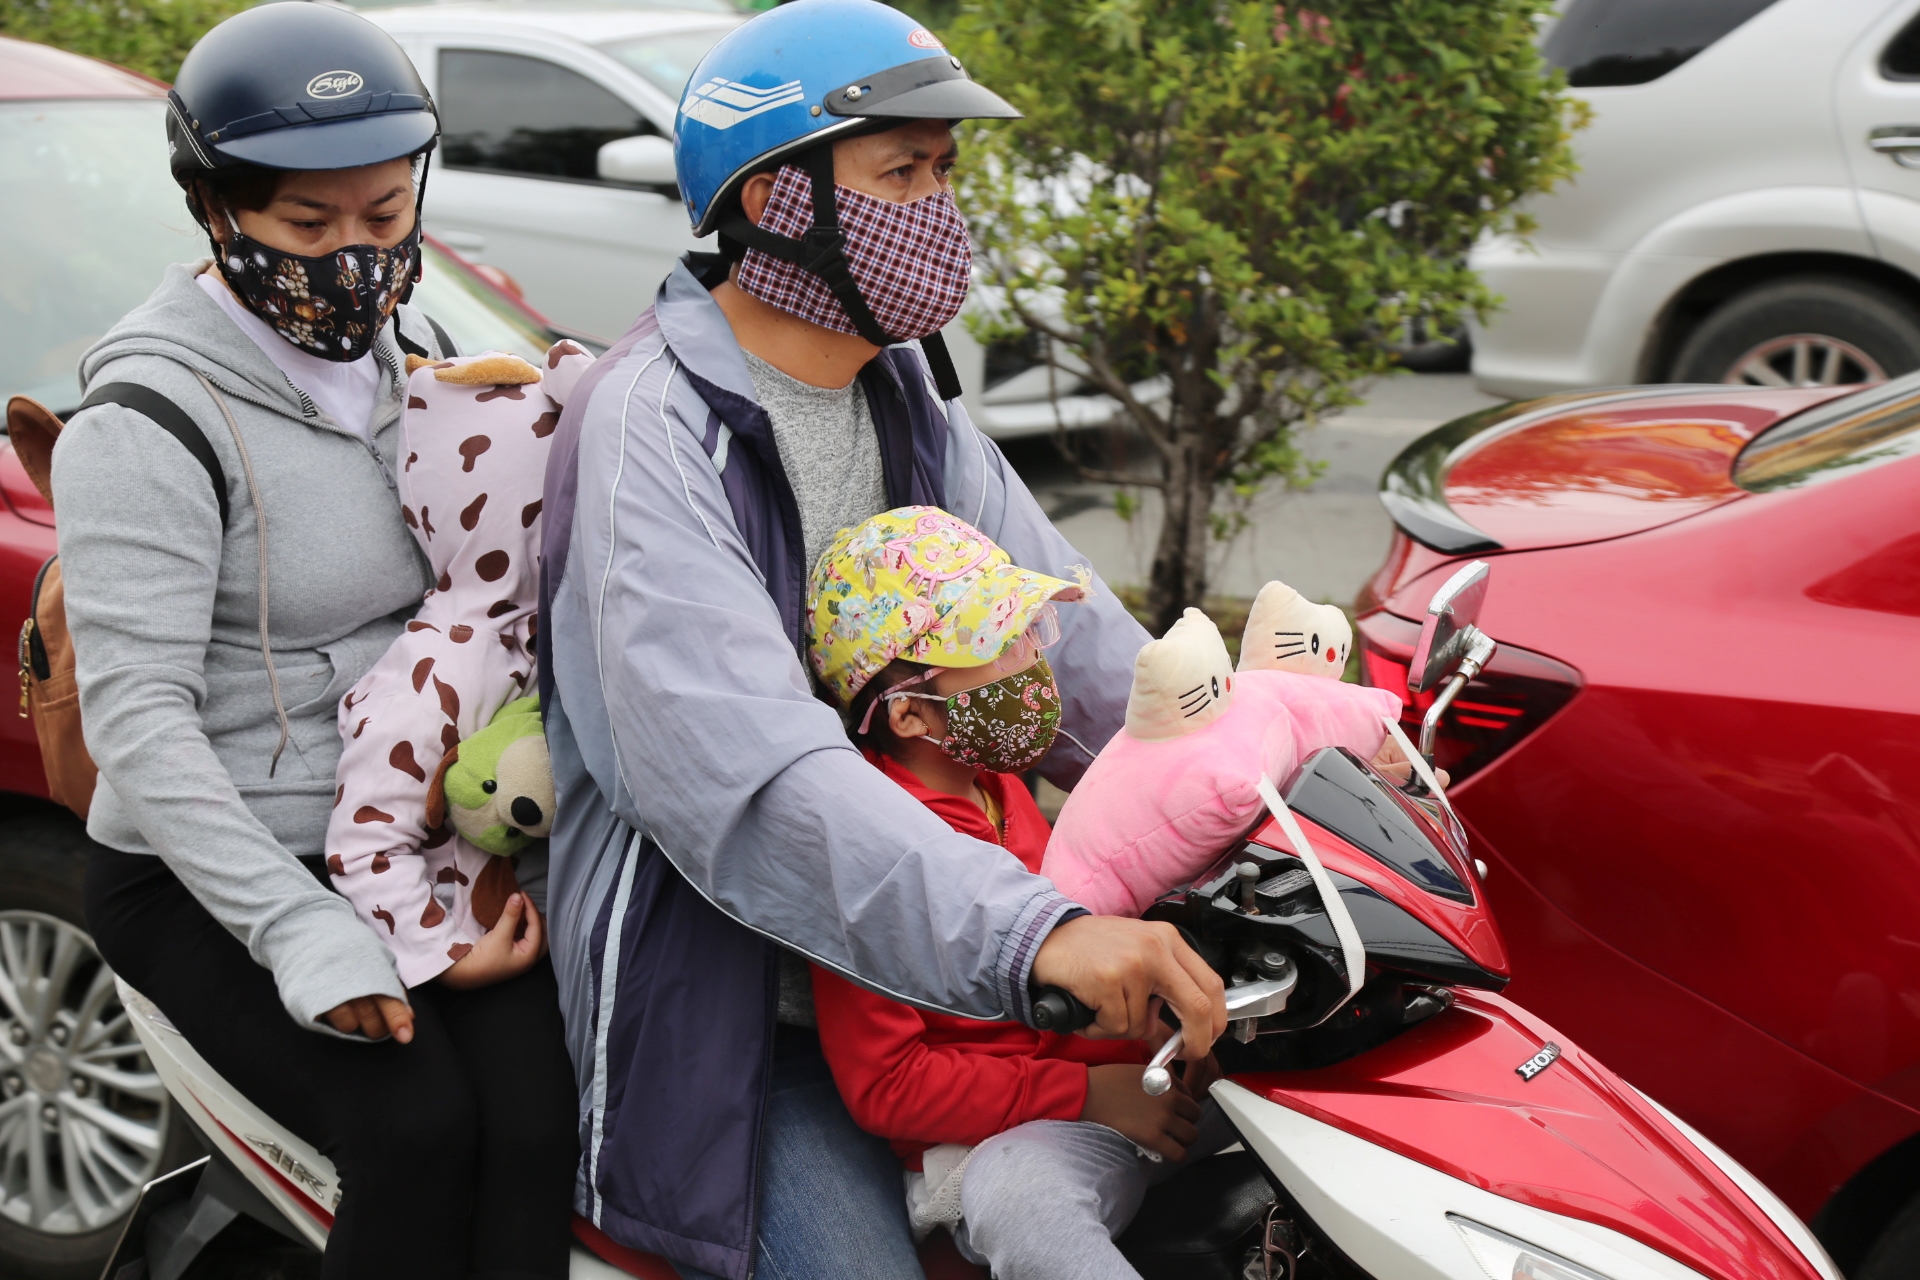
x=456, y=1153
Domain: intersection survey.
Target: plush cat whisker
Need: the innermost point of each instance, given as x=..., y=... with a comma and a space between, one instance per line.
x=1307, y=638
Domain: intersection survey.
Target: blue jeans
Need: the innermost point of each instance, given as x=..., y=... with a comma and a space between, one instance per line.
x=832, y=1202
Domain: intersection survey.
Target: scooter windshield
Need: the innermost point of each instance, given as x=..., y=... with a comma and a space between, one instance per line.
x=1342, y=793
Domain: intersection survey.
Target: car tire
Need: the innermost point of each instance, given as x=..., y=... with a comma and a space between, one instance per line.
x=1804, y=331
x=1895, y=1255
x=42, y=866
x=1429, y=352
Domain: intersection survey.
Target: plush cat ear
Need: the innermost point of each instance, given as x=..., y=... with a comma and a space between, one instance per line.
x=1181, y=682
x=1288, y=632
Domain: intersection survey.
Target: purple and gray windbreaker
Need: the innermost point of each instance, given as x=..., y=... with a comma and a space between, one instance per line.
x=709, y=806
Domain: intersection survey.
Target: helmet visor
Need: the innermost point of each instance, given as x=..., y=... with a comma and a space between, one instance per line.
x=335, y=144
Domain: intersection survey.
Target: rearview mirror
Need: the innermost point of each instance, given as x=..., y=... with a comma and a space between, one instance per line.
x=1452, y=649
x=643, y=160
x=1447, y=632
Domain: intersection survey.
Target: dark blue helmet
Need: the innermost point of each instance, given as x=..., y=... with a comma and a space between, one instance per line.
x=296, y=86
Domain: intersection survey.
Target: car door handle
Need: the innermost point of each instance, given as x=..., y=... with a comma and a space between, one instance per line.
x=1900, y=141
x=474, y=242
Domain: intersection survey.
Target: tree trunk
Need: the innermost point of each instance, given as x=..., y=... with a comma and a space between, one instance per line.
x=1179, y=577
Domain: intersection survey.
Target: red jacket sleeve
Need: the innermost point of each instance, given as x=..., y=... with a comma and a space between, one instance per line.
x=901, y=1088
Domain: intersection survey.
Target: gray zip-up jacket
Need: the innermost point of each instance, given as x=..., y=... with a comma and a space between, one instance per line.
x=175, y=696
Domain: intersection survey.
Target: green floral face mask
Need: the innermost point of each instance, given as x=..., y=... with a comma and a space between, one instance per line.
x=1003, y=727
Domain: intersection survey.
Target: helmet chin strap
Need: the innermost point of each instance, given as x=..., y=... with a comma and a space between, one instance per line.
x=419, y=206
x=822, y=251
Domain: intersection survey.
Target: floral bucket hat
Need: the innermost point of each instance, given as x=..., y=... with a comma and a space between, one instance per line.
x=919, y=584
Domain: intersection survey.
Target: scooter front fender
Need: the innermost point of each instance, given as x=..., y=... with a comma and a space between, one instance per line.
x=1471, y=1116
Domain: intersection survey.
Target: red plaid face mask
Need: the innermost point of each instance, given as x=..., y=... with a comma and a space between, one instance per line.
x=912, y=262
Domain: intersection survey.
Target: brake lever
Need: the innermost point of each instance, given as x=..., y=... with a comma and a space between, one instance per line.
x=1248, y=1000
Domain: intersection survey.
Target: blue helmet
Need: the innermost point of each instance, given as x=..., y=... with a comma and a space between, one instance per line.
x=806, y=73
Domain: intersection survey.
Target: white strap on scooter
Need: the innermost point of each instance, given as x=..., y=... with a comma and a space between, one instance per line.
x=1352, y=950
x=1418, y=761
x=1424, y=772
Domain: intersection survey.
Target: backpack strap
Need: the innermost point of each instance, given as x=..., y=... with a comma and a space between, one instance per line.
x=172, y=419
x=409, y=347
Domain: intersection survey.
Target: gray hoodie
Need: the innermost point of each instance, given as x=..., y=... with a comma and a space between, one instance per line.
x=174, y=690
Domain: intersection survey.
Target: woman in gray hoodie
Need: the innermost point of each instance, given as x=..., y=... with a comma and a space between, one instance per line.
x=215, y=633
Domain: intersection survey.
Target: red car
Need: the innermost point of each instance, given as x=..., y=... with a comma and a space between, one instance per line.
x=92, y=217
x=1694, y=764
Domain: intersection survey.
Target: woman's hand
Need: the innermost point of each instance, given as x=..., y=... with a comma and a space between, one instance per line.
x=1393, y=762
x=375, y=1017
x=501, y=955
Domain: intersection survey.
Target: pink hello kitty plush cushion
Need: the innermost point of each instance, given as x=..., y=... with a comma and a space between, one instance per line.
x=1179, y=784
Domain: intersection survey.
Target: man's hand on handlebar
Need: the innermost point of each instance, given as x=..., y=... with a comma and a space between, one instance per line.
x=375, y=1017
x=1116, y=966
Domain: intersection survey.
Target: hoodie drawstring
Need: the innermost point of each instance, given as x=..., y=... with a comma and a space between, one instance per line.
x=260, y=524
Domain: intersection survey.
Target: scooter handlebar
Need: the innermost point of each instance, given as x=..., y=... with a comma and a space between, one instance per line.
x=1056, y=1009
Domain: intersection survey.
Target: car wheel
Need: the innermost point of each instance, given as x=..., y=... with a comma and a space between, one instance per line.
x=84, y=1119
x=1804, y=331
x=1896, y=1254
x=1429, y=351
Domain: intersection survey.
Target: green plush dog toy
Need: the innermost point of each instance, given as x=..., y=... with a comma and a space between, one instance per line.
x=497, y=786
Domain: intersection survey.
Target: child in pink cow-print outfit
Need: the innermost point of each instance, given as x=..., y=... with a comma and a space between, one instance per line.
x=474, y=447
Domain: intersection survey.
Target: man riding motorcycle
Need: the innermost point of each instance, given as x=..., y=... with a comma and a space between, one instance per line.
x=716, y=828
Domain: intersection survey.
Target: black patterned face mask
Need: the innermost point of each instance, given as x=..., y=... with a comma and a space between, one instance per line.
x=331, y=305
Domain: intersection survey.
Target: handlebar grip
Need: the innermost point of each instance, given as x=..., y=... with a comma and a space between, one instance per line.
x=1055, y=1009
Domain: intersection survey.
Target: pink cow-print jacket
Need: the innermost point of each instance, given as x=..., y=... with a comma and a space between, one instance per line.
x=474, y=441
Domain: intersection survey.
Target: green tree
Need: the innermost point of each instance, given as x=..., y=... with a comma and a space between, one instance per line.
x=1220, y=212
x=150, y=36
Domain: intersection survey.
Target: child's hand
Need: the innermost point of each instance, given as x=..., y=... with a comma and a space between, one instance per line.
x=1164, y=1125
x=500, y=955
x=1393, y=762
x=375, y=1017
x=1199, y=1077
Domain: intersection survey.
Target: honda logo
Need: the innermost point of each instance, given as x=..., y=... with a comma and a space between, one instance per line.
x=1548, y=1055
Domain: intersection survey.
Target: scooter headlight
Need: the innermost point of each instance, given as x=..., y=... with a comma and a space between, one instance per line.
x=1503, y=1257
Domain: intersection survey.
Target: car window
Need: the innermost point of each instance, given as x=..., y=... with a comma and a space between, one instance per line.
x=1901, y=58
x=514, y=114
x=474, y=316
x=666, y=61
x=1835, y=439
x=1615, y=42
x=92, y=219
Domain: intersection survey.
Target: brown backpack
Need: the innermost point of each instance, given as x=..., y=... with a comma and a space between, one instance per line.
x=49, y=695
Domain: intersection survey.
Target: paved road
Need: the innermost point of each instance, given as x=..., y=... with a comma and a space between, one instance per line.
x=1325, y=541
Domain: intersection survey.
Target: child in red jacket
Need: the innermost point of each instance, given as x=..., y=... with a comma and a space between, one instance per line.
x=1034, y=1148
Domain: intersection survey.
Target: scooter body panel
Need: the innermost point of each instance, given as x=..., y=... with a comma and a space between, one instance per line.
x=296, y=1179
x=1390, y=1213
x=1471, y=929
x=1566, y=1139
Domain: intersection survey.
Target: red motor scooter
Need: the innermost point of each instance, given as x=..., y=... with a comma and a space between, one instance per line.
x=1399, y=1119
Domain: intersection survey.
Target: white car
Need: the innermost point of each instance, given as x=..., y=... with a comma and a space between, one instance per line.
x=554, y=167
x=1747, y=208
